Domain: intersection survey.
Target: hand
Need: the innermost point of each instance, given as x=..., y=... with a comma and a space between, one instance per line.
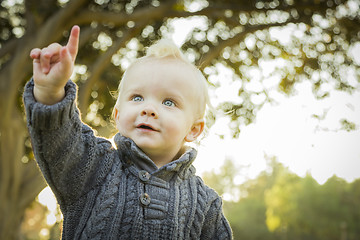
x=52, y=68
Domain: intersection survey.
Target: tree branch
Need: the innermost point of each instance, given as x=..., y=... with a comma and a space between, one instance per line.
x=48, y=33
x=32, y=184
x=102, y=62
x=216, y=50
x=8, y=47
x=118, y=19
x=86, y=34
x=59, y=21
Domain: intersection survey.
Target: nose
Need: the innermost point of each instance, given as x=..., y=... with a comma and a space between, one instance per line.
x=149, y=111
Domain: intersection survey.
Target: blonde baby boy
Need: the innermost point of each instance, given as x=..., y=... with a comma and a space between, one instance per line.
x=146, y=186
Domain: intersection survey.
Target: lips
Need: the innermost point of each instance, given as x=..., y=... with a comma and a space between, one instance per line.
x=145, y=126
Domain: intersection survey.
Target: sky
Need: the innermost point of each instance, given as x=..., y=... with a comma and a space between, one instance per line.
x=288, y=131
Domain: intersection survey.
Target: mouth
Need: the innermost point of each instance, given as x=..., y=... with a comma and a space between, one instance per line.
x=146, y=127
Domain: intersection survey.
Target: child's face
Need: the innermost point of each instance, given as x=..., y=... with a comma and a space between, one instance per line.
x=158, y=105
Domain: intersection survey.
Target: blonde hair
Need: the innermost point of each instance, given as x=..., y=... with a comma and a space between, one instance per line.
x=165, y=48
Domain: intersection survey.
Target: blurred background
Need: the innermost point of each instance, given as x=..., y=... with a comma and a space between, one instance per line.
x=281, y=146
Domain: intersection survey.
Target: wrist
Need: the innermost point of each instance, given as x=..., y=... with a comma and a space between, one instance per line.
x=48, y=96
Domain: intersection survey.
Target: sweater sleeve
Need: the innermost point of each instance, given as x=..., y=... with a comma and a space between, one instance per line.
x=216, y=225
x=71, y=158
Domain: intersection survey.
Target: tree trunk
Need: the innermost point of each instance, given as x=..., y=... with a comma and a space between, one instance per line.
x=20, y=181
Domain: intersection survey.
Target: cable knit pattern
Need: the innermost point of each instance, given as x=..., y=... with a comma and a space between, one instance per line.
x=184, y=206
x=200, y=209
x=130, y=209
x=117, y=193
x=103, y=205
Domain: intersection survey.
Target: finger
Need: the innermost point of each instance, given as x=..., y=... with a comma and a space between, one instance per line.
x=47, y=55
x=35, y=53
x=45, y=62
x=66, y=63
x=36, y=67
x=65, y=58
x=52, y=49
x=73, y=42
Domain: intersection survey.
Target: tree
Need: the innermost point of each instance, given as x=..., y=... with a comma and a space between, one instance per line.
x=247, y=216
x=354, y=207
x=223, y=181
x=237, y=34
x=278, y=204
x=245, y=208
x=300, y=208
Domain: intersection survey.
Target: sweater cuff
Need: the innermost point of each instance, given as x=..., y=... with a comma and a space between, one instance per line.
x=47, y=117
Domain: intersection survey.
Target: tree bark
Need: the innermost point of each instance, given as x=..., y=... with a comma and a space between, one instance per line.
x=20, y=181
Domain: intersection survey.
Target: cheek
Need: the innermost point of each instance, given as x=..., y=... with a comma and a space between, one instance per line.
x=179, y=127
x=118, y=125
x=124, y=120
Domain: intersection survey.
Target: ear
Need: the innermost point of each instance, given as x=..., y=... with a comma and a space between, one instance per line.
x=116, y=116
x=116, y=113
x=196, y=129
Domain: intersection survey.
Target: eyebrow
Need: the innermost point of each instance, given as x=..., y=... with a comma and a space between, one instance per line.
x=168, y=93
x=131, y=89
x=173, y=94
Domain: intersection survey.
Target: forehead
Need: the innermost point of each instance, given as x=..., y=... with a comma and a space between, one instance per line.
x=162, y=74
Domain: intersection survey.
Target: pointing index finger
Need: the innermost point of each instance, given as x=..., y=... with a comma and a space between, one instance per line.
x=73, y=42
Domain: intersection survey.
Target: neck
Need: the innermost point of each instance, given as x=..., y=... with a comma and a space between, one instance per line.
x=163, y=159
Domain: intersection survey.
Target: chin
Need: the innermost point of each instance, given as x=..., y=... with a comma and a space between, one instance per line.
x=146, y=146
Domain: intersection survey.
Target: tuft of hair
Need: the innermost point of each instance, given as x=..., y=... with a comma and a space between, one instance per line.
x=165, y=48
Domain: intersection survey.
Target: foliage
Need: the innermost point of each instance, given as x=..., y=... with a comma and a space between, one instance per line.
x=35, y=225
x=278, y=204
x=301, y=41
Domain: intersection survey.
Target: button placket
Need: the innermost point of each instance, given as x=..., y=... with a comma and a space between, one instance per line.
x=144, y=198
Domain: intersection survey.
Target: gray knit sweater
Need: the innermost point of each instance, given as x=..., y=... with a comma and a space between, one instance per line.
x=117, y=193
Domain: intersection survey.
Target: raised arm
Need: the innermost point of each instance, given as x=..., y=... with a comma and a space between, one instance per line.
x=52, y=68
x=72, y=159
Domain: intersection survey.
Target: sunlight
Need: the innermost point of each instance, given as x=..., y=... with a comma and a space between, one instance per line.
x=354, y=52
x=10, y=3
x=182, y=27
x=47, y=198
x=289, y=131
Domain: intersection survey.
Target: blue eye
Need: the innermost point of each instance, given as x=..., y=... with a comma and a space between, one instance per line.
x=137, y=98
x=169, y=103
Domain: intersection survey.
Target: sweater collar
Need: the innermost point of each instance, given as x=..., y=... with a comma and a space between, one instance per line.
x=135, y=156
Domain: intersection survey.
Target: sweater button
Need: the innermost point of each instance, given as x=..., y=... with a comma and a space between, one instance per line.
x=144, y=176
x=145, y=199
